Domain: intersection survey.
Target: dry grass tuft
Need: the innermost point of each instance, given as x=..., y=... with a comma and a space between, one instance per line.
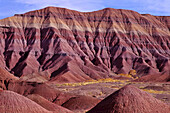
x=155, y=91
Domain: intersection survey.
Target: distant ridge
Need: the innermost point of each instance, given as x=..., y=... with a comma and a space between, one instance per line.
x=72, y=46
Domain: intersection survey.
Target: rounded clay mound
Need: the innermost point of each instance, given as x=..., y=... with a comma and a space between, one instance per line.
x=81, y=103
x=47, y=104
x=11, y=102
x=130, y=99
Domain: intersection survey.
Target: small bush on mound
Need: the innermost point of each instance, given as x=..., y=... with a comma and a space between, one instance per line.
x=131, y=74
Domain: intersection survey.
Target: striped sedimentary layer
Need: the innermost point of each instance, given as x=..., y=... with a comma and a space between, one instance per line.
x=74, y=46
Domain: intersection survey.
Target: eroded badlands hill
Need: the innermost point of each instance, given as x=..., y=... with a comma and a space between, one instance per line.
x=73, y=46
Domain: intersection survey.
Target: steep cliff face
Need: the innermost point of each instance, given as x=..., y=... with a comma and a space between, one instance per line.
x=76, y=46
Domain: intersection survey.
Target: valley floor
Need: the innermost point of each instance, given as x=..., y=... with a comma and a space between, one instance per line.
x=104, y=87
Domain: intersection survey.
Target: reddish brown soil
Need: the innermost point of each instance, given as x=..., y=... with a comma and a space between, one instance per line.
x=156, y=78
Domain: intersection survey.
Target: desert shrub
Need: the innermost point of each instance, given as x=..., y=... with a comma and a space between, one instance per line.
x=131, y=74
x=125, y=75
x=104, y=80
x=155, y=91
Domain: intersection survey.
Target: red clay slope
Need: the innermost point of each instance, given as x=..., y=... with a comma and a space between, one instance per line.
x=27, y=88
x=130, y=99
x=47, y=104
x=5, y=78
x=86, y=45
x=11, y=102
x=81, y=103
